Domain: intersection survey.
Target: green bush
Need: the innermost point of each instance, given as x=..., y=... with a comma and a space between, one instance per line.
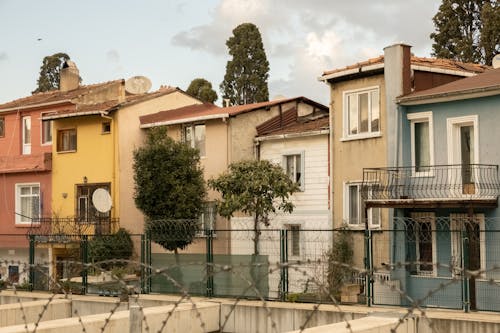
x=118, y=246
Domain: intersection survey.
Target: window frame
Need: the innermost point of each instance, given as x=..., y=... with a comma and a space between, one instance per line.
x=421, y=117
x=18, y=196
x=43, y=124
x=105, y=124
x=89, y=205
x=26, y=127
x=59, y=140
x=284, y=164
x=192, y=141
x=292, y=243
x=456, y=240
x=363, y=135
x=361, y=214
x=432, y=216
x=2, y=127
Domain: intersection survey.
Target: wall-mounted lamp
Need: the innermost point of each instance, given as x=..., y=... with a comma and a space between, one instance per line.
x=85, y=180
x=65, y=195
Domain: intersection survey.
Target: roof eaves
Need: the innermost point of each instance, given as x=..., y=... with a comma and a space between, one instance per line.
x=356, y=70
x=32, y=106
x=185, y=120
x=433, y=69
x=291, y=135
x=449, y=96
x=73, y=114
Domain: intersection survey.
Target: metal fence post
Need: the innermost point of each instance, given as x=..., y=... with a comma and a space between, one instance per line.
x=148, y=261
x=283, y=264
x=32, y=262
x=135, y=318
x=143, y=264
x=368, y=266
x=84, y=259
x=209, y=262
x=465, y=265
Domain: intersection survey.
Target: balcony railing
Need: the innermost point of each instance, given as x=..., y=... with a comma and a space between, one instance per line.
x=69, y=228
x=431, y=183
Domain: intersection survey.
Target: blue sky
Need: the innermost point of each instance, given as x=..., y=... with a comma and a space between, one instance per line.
x=172, y=42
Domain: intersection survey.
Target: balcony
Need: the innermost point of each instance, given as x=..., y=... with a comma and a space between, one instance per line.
x=432, y=186
x=26, y=163
x=70, y=229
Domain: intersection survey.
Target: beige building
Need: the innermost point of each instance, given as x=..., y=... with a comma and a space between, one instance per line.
x=223, y=136
x=364, y=122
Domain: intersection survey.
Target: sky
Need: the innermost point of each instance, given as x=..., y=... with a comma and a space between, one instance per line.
x=173, y=42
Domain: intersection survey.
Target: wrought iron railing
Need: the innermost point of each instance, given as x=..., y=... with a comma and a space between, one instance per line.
x=458, y=181
x=65, y=229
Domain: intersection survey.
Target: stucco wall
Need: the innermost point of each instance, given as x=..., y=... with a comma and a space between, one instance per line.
x=130, y=137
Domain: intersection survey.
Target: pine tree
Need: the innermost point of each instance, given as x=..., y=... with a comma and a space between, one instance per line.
x=467, y=30
x=247, y=73
x=202, y=89
x=50, y=72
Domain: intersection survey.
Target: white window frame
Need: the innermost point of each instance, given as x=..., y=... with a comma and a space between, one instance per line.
x=284, y=164
x=432, y=217
x=290, y=240
x=18, y=186
x=26, y=146
x=421, y=117
x=369, y=133
x=193, y=136
x=43, y=124
x=360, y=217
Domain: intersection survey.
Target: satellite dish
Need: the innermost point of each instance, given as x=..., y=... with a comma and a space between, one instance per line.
x=101, y=200
x=137, y=85
x=496, y=61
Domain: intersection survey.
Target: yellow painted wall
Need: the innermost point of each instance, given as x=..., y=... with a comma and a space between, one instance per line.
x=92, y=159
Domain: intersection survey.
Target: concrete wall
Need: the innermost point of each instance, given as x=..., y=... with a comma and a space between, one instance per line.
x=29, y=312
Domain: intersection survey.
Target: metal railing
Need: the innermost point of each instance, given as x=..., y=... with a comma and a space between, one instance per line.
x=57, y=229
x=478, y=181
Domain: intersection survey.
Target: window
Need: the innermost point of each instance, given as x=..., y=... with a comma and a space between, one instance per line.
x=2, y=127
x=422, y=147
x=26, y=135
x=66, y=140
x=207, y=218
x=13, y=273
x=422, y=240
x=194, y=136
x=46, y=131
x=27, y=202
x=362, y=113
x=293, y=240
x=354, y=214
x=85, y=209
x=106, y=127
x=293, y=164
x=476, y=243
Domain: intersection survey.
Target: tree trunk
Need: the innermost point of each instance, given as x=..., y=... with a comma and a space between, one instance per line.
x=256, y=236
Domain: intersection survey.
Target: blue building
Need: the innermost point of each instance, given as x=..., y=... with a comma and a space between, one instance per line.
x=445, y=230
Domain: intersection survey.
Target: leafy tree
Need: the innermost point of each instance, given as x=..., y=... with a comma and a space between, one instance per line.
x=169, y=189
x=202, y=89
x=256, y=188
x=246, y=75
x=50, y=72
x=467, y=30
x=108, y=247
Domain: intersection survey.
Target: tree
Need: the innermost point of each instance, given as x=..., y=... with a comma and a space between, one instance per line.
x=111, y=247
x=202, y=89
x=256, y=188
x=467, y=30
x=50, y=72
x=169, y=189
x=246, y=75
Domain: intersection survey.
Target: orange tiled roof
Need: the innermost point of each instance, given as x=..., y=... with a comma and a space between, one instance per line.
x=210, y=110
x=55, y=95
x=419, y=61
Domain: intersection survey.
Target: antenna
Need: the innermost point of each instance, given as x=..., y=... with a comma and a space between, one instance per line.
x=496, y=61
x=102, y=200
x=137, y=85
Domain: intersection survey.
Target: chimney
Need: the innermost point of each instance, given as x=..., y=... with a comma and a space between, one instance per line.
x=69, y=77
x=397, y=65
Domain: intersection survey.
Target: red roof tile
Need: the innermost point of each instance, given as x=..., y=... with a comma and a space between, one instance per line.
x=419, y=61
x=310, y=123
x=490, y=80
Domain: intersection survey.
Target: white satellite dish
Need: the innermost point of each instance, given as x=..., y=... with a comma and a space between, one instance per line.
x=138, y=85
x=496, y=61
x=102, y=200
